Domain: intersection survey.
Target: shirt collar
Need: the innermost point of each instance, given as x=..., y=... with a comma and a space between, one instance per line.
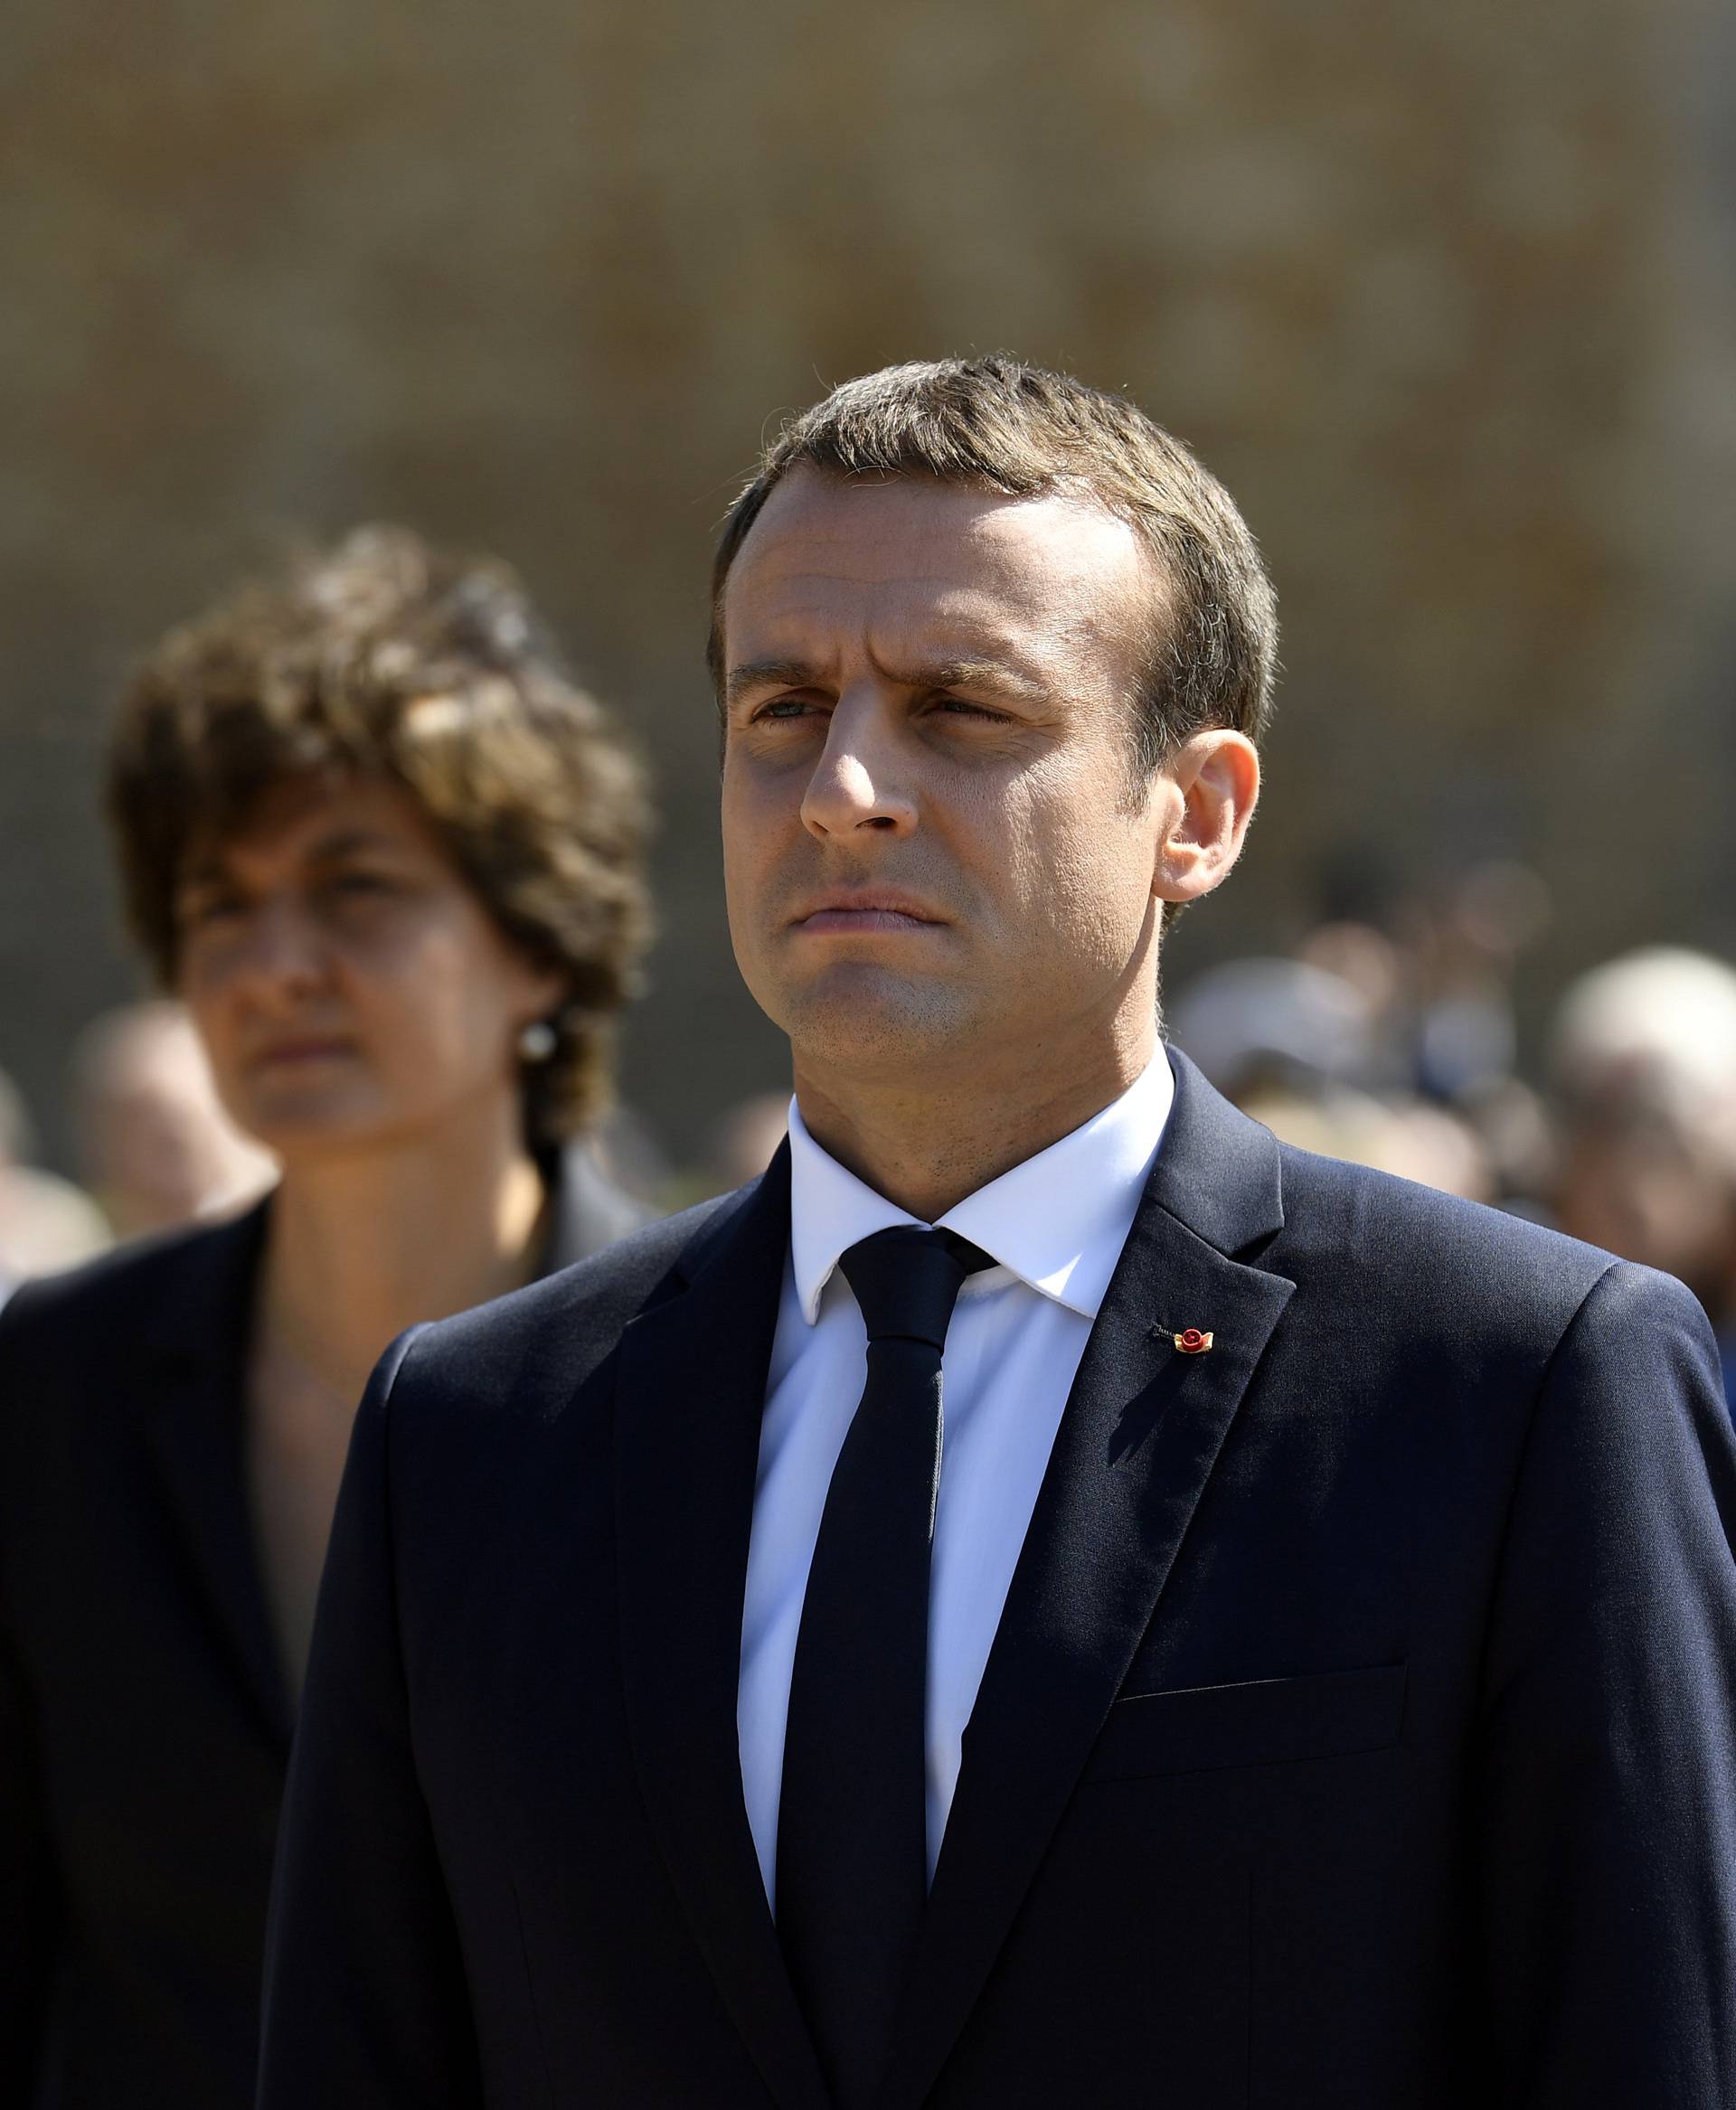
x=1058, y=1221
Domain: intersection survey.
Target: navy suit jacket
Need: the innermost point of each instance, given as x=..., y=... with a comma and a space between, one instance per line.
x=1360, y=1731
x=144, y=1717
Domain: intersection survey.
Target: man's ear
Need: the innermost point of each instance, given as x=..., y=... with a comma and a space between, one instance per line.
x=1208, y=788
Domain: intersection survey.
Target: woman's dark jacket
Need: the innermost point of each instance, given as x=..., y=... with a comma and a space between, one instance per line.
x=144, y=1717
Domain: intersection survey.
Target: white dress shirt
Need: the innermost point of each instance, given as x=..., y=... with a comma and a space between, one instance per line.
x=1055, y=1225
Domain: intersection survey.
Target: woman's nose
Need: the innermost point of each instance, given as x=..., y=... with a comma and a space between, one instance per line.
x=278, y=946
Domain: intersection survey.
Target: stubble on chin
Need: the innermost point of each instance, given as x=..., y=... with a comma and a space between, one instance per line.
x=854, y=1021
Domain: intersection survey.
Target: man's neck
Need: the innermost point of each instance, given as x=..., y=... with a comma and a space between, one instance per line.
x=926, y=1146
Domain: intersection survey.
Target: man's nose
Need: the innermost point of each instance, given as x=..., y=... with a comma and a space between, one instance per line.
x=861, y=779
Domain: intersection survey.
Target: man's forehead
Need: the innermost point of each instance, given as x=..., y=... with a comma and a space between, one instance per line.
x=927, y=633
x=887, y=523
x=956, y=570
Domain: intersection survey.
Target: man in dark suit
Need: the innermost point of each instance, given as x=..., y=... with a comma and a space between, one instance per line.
x=1047, y=1596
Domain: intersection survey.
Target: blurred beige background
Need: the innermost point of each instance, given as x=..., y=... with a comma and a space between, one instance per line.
x=1445, y=297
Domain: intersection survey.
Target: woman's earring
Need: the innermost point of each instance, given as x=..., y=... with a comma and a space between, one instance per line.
x=536, y=1041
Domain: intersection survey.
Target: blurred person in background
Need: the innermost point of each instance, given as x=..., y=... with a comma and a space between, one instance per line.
x=744, y=1140
x=388, y=856
x=45, y=1223
x=156, y=1146
x=1643, y=1063
x=1388, y=1037
x=1301, y=1048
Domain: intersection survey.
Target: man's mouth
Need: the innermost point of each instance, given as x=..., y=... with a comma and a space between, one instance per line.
x=860, y=909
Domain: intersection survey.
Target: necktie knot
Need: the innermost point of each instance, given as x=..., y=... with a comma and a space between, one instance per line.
x=907, y=1280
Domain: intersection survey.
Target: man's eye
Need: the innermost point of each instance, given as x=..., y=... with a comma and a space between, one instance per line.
x=783, y=708
x=961, y=707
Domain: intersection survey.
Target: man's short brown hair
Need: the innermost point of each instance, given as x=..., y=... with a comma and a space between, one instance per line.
x=1026, y=431
x=382, y=657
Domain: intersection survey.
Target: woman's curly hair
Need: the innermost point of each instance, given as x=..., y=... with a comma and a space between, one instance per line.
x=382, y=657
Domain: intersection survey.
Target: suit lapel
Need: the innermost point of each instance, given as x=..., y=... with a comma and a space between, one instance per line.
x=195, y=1367
x=1142, y=1430
x=689, y=1399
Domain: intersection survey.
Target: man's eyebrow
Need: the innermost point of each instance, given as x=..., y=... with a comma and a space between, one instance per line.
x=992, y=675
x=767, y=673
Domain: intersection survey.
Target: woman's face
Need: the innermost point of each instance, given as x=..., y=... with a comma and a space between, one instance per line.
x=350, y=990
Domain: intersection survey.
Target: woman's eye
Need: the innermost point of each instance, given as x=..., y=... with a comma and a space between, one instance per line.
x=205, y=909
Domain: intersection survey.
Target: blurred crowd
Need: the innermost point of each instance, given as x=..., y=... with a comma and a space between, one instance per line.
x=154, y=1146
x=1396, y=1045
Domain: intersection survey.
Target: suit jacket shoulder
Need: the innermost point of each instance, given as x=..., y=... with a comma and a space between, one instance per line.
x=175, y=1291
x=129, y=1280
x=1451, y=1275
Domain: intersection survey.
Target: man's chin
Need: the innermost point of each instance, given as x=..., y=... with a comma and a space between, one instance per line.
x=865, y=1020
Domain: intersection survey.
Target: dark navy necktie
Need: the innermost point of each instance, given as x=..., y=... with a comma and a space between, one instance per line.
x=851, y=1823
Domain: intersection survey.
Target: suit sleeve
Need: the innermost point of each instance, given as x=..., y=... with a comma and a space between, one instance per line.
x=1607, y=1783
x=30, y=1915
x=30, y=1919
x=365, y=1997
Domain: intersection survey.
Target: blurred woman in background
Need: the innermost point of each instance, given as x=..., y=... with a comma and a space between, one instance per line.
x=389, y=857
